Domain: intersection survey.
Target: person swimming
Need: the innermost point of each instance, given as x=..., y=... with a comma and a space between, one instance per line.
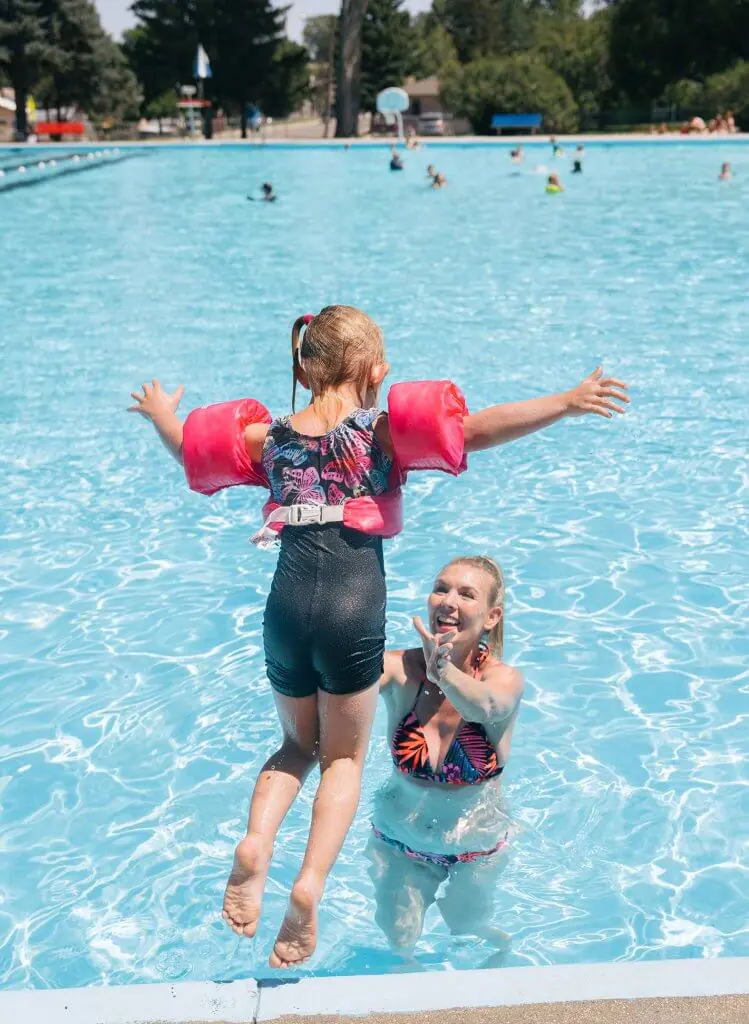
x=268, y=196
x=516, y=155
x=577, y=167
x=725, y=172
x=396, y=163
x=439, y=822
x=553, y=184
x=439, y=180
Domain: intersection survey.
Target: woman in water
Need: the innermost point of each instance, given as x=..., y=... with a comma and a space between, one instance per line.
x=452, y=705
x=725, y=172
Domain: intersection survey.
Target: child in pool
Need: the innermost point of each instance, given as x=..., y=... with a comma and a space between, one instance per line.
x=324, y=624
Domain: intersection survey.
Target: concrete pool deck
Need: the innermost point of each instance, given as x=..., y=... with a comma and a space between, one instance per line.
x=643, y=992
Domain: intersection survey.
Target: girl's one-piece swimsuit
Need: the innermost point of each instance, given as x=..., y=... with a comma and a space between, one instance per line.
x=324, y=625
x=470, y=761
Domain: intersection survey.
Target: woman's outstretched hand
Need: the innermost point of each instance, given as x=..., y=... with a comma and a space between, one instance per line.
x=155, y=400
x=437, y=650
x=598, y=394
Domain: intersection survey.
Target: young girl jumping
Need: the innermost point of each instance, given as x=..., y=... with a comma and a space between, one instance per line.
x=334, y=472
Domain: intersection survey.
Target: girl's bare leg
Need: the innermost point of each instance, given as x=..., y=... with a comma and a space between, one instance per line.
x=277, y=786
x=345, y=724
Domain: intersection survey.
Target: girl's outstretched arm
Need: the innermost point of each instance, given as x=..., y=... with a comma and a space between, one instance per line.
x=160, y=408
x=502, y=423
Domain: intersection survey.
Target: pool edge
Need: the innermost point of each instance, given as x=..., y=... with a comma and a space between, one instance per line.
x=249, y=1001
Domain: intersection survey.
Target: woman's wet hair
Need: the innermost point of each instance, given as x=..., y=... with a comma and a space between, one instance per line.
x=496, y=596
x=339, y=345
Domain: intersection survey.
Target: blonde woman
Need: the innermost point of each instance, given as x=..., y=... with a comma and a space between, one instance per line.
x=452, y=706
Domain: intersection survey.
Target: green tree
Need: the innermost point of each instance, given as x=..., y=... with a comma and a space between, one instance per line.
x=387, y=48
x=657, y=42
x=247, y=34
x=162, y=107
x=729, y=90
x=157, y=76
x=115, y=94
x=73, y=28
x=508, y=85
x=577, y=48
x=318, y=35
x=287, y=85
x=486, y=28
x=25, y=52
x=433, y=46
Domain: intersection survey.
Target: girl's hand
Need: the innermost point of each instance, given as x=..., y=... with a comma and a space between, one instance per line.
x=597, y=394
x=155, y=400
x=437, y=650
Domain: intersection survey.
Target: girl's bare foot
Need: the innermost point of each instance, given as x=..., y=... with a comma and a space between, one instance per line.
x=244, y=891
x=298, y=936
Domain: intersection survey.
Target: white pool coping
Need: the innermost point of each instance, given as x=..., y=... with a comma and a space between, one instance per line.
x=250, y=1001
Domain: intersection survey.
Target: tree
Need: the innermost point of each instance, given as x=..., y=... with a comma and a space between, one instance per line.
x=73, y=28
x=349, y=67
x=729, y=90
x=387, y=46
x=508, y=85
x=247, y=34
x=287, y=85
x=115, y=94
x=433, y=46
x=24, y=51
x=318, y=36
x=241, y=38
x=157, y=77
x=657, y=42
x=485, y=28
x=577, y=48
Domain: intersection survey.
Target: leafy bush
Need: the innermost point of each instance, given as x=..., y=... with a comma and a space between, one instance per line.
x=729, y=90
x=508, y=85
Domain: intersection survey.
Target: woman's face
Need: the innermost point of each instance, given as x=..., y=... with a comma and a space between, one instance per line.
x=460, y=602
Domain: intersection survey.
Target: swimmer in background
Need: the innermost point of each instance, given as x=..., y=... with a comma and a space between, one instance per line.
x=725, y=172
x=516, y=155
x=396, y=164
x=553, y=184
x=268, y=196
x=556, y=149
x=439, y=822
x=577, y=167
x=439, y=180
x=431, y=171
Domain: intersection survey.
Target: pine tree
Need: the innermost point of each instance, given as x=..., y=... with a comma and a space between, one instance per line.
x=24, y=51
x=388, y=43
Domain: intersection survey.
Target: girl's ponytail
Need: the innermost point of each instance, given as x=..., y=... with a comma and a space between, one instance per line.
x=296, y=353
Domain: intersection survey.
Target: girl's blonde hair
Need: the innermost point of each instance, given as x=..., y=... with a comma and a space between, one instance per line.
x=339, y=345
x=496, y=596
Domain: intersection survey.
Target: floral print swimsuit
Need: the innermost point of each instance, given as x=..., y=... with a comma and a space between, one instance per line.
x=324, y=626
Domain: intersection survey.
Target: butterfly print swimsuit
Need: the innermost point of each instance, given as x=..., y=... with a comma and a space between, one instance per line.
x=324, y=625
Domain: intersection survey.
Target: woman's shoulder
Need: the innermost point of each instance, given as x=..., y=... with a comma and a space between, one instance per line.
x=504, y=675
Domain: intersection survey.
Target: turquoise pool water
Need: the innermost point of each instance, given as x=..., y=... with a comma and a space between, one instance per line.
x=134, y=712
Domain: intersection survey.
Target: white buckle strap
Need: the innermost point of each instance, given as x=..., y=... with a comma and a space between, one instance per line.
x=303, y=514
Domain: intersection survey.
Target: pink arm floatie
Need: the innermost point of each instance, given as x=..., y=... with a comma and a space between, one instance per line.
x=425, y=418
x=213, y=447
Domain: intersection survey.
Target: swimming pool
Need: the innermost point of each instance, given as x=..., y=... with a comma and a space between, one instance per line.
x=133, y=708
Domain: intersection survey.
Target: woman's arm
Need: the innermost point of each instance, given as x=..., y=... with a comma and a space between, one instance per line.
x=491, y=699
x=500, y=424
x=160, y=408
x=488, y=700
